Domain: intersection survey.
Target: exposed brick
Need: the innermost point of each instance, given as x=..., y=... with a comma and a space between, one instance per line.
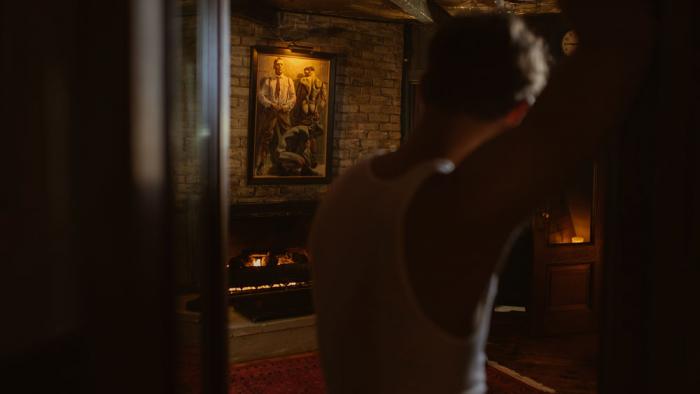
x=368, y=126
x=349, y=143
x=352, y=134
x=390, y=92
x=248, y=41
x=391, y=127
x=240, y=51
x=378, y=118
x=266, y=191
x=361, y=99
x=394, y=109
x=369, y=91
x=239, y=132
x=356, y=117
x=348, y=108
x=380, y=100
x=370, y=108
x=241, y=72
x=367, y=98
x=377, y=135
x=371, y=144
x=239, y=91
x=382, y=49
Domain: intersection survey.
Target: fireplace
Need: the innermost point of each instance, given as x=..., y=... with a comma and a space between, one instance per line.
x=269, y=274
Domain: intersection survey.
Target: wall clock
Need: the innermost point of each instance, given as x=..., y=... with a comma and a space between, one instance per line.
x=569, y=42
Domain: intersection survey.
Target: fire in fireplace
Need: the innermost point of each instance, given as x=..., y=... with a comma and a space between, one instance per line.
x=257, y=260
x=270, y=275
x=270, y=284
x=271, y=269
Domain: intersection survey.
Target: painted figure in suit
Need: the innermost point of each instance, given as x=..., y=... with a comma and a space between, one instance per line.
x=277, y=97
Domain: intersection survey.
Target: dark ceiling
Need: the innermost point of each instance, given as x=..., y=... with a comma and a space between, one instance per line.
x=465, y=7
x=371, y=9
x=401, y=10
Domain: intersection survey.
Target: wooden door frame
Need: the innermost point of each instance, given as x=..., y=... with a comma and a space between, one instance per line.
x=214, y=68
x=568, y=255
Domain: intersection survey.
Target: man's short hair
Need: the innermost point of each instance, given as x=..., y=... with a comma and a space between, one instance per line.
x=484, y=66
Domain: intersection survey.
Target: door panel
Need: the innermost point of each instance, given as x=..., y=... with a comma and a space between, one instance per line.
x=566, y=263
x=569, y=287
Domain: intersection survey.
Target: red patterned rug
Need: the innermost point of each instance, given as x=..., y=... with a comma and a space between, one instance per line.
x=301, y=374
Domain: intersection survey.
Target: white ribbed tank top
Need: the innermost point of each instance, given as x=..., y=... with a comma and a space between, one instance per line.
x=373, y=335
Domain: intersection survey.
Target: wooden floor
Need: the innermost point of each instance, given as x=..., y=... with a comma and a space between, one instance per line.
x=567, y=364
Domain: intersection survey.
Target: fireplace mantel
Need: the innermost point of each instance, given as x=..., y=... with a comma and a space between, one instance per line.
x=281, y=209
x=269, y=225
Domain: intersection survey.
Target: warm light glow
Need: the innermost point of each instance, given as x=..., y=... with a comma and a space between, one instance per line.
x=284, y=259
x=235, y=290
x=257, y=260
x=577, y=240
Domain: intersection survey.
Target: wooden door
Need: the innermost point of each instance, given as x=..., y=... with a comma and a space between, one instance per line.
x=567, y=237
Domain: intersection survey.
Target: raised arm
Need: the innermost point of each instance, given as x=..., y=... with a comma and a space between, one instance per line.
x=587, y=97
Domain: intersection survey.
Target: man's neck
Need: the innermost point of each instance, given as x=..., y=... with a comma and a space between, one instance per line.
x=438, y=136
x=449, y=136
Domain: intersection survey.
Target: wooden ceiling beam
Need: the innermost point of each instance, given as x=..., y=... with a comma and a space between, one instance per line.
x=255, y=10
x=439, y=14
x=415, y=8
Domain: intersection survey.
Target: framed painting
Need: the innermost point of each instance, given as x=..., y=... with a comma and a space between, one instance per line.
x=290, y=136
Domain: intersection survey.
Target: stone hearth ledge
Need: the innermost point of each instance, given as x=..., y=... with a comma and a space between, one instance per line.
x=248, y=340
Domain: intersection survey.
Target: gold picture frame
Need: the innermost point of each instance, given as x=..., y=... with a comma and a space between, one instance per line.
x=291, y=116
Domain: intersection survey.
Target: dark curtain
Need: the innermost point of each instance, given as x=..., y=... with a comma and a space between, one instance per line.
x=652, y=248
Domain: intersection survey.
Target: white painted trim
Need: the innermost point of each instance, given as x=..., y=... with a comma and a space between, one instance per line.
x=147, y=98
x=508, y=308
x=528, y=381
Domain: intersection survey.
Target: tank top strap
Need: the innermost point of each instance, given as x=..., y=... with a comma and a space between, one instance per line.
x=409, y=183
x=412, y=178
x=442, y=166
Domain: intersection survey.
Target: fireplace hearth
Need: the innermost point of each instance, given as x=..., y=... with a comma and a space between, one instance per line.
x=270, y=284
x=269, y=275
x=270, y=271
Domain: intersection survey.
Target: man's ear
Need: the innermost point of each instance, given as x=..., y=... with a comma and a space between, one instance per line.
x=517, y=114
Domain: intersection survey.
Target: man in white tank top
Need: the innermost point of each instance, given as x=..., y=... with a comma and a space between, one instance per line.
x=406, y=246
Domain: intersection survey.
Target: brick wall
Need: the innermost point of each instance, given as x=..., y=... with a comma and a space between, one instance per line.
x=367, y=94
